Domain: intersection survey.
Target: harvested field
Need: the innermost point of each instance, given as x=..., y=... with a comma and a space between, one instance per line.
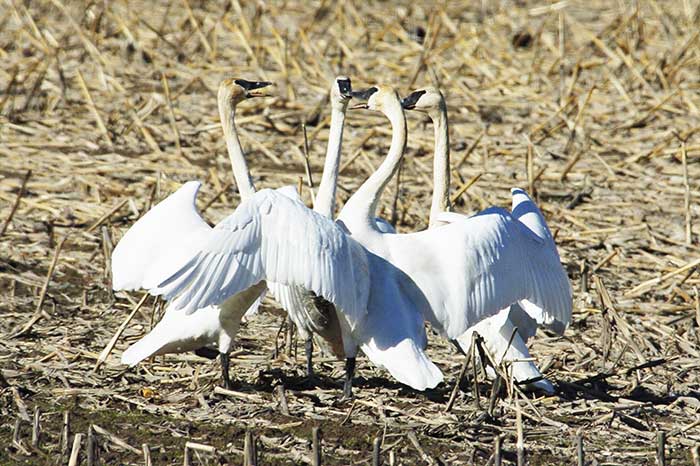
x=107, y=107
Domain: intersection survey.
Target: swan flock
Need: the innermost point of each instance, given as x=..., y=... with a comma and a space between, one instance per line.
x=351, y=282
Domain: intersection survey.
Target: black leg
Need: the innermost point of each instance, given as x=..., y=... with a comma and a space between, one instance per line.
x=224, y=370
x=349, y=373
x=309, y=347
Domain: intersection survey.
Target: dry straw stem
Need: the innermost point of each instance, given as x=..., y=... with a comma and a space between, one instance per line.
x=93, y=109
x=38, y=312
x=110, y=346
x=114, y=439
x=74, y=459
x=628, y=175
x=649, y=284
x=171, y=116
x=147, y=461
x=20, y=193
x=107, y=215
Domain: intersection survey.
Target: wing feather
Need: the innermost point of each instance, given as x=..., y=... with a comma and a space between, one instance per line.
x=486, y=262
x=275, y=238
x=163, y=233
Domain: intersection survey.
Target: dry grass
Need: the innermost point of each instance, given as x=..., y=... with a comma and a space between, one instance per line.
x=112, y=105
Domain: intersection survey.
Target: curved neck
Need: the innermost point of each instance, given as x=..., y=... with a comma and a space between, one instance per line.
x=239, y=166
x=441, y=166
x=325, y=197
x=364, y=202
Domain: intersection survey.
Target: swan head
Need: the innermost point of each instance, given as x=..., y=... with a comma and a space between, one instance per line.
x=378, y=98
x=427, y=100
x=236, y=90
x=341, y=91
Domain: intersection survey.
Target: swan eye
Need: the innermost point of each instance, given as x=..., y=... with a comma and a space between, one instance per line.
x=345, y=87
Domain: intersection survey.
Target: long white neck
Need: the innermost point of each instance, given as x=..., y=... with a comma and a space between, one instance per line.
x=241, y=173
x=325, y=198
x=441, y=166
x=363, y=204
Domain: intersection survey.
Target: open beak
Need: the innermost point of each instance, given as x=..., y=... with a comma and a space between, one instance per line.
x=253, y=88
x=409, y=102
x=256, y=93
x=363, y=95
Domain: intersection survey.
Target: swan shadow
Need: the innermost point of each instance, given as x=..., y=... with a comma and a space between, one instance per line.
x=598, y=388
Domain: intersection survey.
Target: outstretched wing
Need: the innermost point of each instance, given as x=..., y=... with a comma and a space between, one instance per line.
x=161, y=232
x=550, y=302
x=474, y=267
x=269, y=237
x=527, y=213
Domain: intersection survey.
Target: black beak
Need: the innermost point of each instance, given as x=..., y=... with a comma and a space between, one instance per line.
x=345, y=88
x=409, y=103
x=363, y=95
x=251, y=87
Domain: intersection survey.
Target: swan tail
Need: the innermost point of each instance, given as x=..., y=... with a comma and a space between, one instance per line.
x=179, y=333
x=150, y=345
x=407, y=363
x=503, y=345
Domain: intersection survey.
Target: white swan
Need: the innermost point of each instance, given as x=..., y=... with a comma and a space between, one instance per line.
x=468, y=269
x=497, y=330
x=309, y=313
x=312, y=314
x=178, y=333
x=212, y=330
x=275, y=238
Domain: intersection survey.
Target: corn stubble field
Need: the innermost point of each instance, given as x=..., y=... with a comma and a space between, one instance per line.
x=112, y=105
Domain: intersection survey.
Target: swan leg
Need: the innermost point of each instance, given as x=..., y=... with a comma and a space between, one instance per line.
x=309, y=348
x=349, y=373
x=225, y=362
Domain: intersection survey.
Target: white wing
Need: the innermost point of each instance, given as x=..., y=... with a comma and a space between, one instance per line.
x=288, y=297
x=291, y=299
x=527, y=212
x=269, y=237
x=481, y=265
x=161, y=232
